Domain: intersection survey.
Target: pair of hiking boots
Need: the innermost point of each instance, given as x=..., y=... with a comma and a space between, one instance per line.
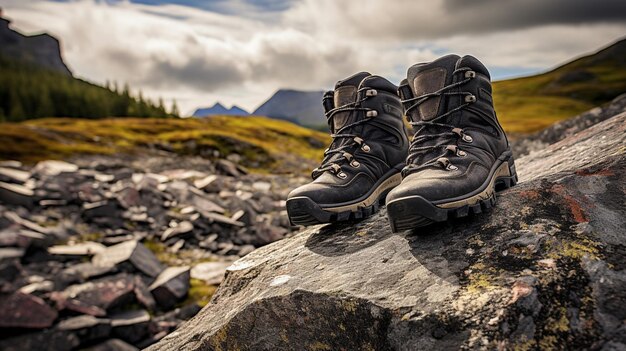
x=457, y=159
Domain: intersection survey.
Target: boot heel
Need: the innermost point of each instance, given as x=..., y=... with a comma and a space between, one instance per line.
x=503, y=183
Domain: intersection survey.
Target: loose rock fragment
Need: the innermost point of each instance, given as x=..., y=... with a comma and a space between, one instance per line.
x=170, y=286
x=19, y=310
x=88, y=248
x=104, y=293
x=14, y=194
x=132, y=252
x=13, y=175
x=182, y=228
x=130, y=326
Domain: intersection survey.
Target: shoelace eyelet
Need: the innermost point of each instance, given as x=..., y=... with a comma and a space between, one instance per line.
x=365, y=148
x=461, y=153
x=371, y=92
x=470, y=98
x=355, y=164
x=467, y=138
x=452, y=167
x=372, y=113
x=342, y=175
x=470, y=74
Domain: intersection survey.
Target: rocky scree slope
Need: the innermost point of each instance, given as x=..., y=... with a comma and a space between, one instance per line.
x=545, y=269
x=112, y=255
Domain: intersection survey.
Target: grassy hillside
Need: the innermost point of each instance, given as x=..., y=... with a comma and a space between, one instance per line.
x=529, y=104
x=264, y=144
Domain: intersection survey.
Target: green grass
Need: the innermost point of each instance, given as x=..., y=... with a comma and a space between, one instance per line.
x=529, y=104
x=265, y=144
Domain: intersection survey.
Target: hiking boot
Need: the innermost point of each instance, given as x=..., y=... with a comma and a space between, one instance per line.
x=459, y=156
x=364, y=160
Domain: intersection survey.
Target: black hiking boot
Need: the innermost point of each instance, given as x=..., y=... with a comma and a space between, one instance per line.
x=459, y=156
x=363, y=162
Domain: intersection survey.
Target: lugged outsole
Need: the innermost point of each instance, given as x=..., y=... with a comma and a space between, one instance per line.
x=303, y=211
x=415, y=211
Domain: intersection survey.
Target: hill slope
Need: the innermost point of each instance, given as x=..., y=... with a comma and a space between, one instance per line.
x=524, y=105
x=301, y=107
x=260, y=141
x=532, y=103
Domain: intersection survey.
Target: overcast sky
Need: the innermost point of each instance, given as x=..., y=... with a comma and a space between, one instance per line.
x=241, y=51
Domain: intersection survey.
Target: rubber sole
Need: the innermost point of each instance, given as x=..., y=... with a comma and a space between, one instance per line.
x=303, y=210
x=415, y=211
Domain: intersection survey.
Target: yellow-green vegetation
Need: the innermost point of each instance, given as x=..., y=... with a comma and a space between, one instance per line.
x=200, y=292
x=529, y=104
x=480, y=278
x=264, y=144
x=575, y=248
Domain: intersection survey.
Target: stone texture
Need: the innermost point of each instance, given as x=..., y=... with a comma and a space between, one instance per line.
x=54, y=168
x=131, y=326
x=543, y=270
x=130, y=251
x=559, y=131
x=181, y=228
x=212, y=273
x=113, y=345
x=170, y=286
x=88, y=248
x=13, y=175
x=20, y=310
x=15, y=194
x=104, y=294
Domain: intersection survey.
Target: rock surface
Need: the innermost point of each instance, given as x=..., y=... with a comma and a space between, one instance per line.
x=545, y=269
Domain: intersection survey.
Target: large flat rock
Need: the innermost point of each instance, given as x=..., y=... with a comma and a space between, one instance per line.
x=545, y=269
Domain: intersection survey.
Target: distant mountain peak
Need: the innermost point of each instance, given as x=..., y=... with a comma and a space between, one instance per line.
x=42, y=50
x=301, y=107
x=219, y=109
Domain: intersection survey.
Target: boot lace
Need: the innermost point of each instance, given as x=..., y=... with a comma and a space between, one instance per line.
x=333, y=164
x=450, y=134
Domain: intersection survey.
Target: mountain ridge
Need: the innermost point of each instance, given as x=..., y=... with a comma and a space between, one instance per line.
x=524, y=104
x=301, y=107
x=219, y=109
x=35, y=83
x=42, y=49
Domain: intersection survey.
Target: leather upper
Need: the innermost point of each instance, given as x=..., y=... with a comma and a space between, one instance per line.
x=384, y=135
x=477, y=120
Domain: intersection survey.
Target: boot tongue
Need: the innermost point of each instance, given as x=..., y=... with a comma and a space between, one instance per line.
x=346, y=93
x=424, y=78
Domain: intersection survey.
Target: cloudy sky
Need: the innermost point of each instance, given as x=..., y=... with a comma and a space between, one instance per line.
x=241, y=51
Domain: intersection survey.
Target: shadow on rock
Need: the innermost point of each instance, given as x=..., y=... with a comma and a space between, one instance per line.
x=441, y=248
x=339, y=239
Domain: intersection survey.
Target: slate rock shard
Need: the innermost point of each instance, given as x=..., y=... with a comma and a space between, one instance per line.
x=544, y=270
x=20, y=310
x=15, y=194
x=170, y=286
x=132, y=252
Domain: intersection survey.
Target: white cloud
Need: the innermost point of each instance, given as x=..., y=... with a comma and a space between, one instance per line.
x=199, y=57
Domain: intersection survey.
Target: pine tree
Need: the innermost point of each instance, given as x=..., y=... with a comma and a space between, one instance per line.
x=28, y=91
x=175, y=112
